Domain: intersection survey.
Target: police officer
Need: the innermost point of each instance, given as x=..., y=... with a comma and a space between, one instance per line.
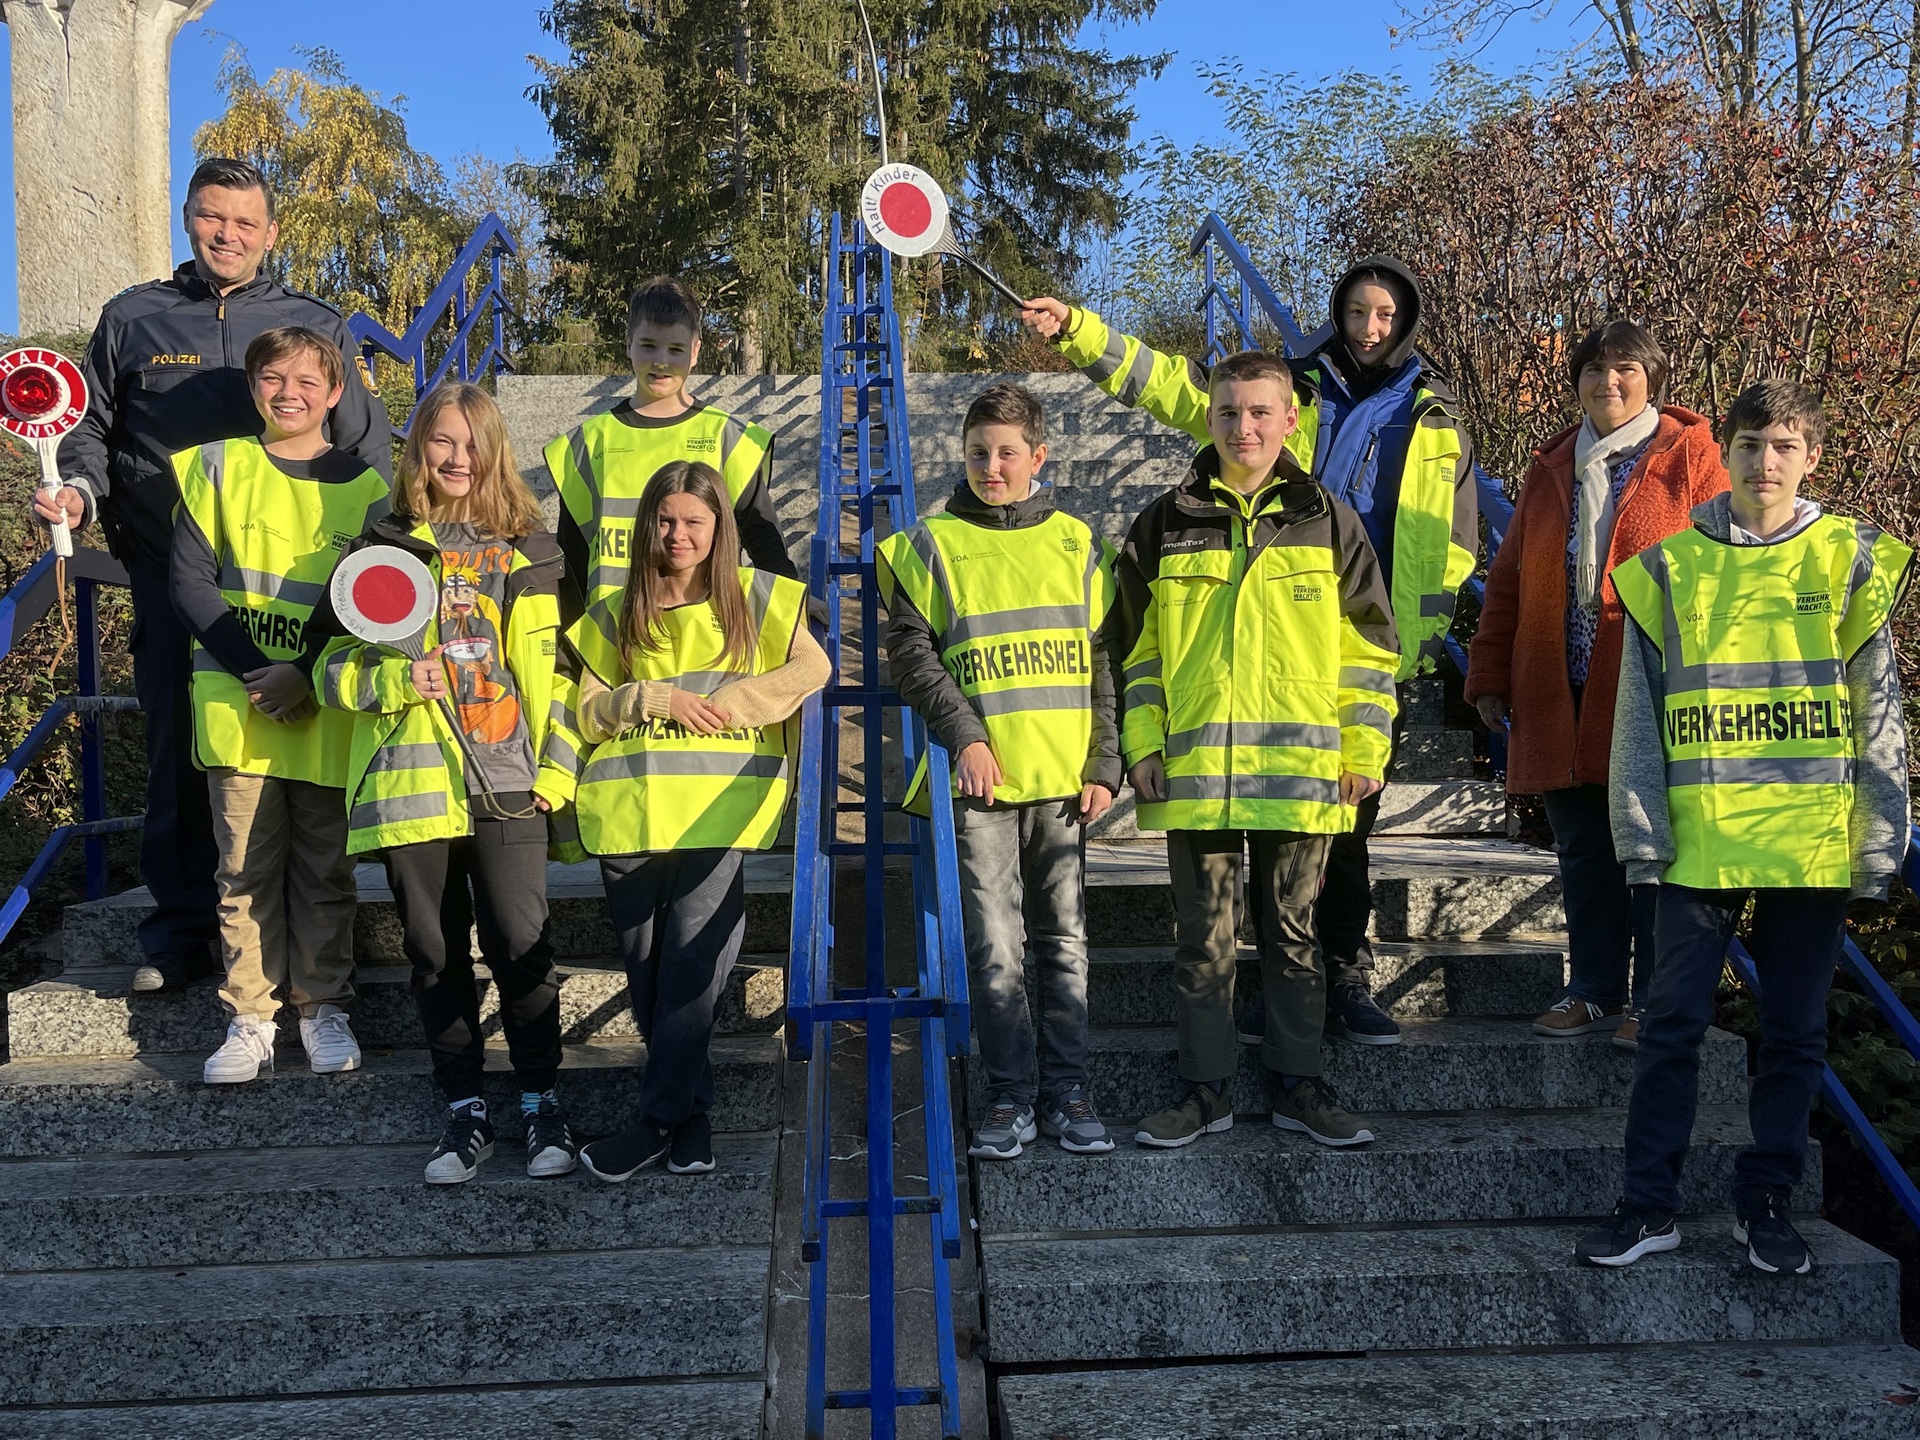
x=164, y=374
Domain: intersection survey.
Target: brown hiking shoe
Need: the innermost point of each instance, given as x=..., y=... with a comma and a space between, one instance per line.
x=1573, y=1016
x=1627, y=1037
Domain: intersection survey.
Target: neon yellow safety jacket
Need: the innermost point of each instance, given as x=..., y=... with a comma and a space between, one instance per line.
x=1757, y=729
x=1432, y=548
x=601, y=469
x=659, y=786
x=1013, y=613
x=406, y=776
x=273, y=540
x=1264, y=654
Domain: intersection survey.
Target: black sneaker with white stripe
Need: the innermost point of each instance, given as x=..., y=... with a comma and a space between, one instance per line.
x=1628, y=1236
x=691, y=1149
x=467, y=1140
x=1773, y=1245
x=550, y=1145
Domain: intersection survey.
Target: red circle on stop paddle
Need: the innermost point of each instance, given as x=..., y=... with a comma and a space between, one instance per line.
x=905, y=210
x=384, y=595
x=32, y=392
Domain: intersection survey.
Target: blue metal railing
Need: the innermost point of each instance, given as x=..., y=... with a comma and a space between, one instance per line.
x=492, y=244
x=36, y=593
x=1222, y=252
x=866, y=470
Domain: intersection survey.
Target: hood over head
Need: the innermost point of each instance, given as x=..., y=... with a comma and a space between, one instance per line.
x=1385, y=270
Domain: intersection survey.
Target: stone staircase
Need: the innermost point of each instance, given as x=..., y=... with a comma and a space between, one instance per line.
x=1258, y=1285
x=266, y=1260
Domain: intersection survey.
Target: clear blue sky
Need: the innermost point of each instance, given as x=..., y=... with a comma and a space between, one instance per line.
x=463, y=67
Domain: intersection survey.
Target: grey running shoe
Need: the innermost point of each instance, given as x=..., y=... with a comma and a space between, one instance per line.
x=1205, y=1111
x=1070, y=1118
x=1004, y=1133
x=1310, y=1108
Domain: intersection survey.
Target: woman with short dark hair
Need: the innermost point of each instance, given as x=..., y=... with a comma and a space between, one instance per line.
x=1546, y=659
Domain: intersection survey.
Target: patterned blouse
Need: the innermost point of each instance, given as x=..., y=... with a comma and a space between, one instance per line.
x=1582, y=622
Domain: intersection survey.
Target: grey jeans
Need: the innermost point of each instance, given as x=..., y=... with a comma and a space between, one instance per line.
x=1023, y=883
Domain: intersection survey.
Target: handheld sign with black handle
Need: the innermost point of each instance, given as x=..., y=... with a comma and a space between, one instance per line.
x=42, y=397
x=905, y=211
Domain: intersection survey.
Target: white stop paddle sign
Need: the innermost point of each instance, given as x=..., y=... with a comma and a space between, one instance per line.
x=904, y=209
x=383, y=595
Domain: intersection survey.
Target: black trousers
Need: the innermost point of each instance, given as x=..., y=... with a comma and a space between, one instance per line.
x=505, y=863
x=1344, y=911
x=176, y=843
x=1797, y=935
x=679, y=918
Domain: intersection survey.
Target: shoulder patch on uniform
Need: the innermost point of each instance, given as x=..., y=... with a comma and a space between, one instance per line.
x=363, y=367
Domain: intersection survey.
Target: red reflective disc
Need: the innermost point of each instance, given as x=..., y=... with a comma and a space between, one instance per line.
x=31, y=392
x=904, y=210
x=384, y=595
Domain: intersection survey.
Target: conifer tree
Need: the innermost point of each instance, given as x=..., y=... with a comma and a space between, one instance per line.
x=712, y=139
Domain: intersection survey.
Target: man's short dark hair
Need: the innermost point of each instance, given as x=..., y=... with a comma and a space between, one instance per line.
x=664, y=300
x=1776, y=402
x=1252, y=365
x=228, y=174
x=1007, y=404
x=1621, y=340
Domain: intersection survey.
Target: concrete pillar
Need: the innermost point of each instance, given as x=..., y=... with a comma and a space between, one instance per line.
x=91, y=174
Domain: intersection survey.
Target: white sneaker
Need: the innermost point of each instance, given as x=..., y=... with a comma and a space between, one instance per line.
x=248, y=1046
x=328, y=1037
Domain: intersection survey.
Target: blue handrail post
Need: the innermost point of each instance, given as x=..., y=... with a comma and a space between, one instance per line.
x=93, y=777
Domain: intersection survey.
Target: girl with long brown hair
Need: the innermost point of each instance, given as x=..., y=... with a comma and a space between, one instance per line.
x=677, y=749
x=445, y=783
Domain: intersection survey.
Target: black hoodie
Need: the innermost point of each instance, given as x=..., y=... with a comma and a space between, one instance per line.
x=913, y=653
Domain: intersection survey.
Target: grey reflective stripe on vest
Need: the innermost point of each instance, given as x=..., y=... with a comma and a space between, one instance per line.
x=558, y=713
x=1147, y=692
x=1033, y=697
x=364, y=696
x=560, y=751
x=274, y=587
x=760, y=599
x=204, y=663
x=1358, y=677
x=732, y=432
x=705, y=682
x=920, y=541
x=1864, y=536
x=1761, y=770
x=1145, y=670
x=1728, y=675
x=707, y=763
x=397, y=809
x=1237, y=733
x=415, y=755
x=1138, y=374
x=1432, y=607
x=990, y=623
x=1111, y=359
x=1253, y=787
x=213, y=463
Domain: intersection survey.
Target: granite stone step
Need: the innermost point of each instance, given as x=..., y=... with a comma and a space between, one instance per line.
x=1421, y=1170
x=1719, y=1392
x=659, y=1410
x=59, y=1107
x=1513, y=976
x=93, y=1012
x=1346, y=1290
x=1468, y=1063
x=103, y=932
x=254, y=1330
x=361, y=1203
x=1409, y=806
x=1433, y=754
x=1424, y=888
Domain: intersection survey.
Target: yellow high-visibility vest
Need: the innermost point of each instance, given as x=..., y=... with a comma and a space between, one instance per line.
x=659, y=786
x=601, y=469
x=1756, y=726
x=276, y=539
x=1013, y=614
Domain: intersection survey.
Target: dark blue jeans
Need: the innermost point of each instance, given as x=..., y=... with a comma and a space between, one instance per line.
x=1609, y=922
x=1796, y=944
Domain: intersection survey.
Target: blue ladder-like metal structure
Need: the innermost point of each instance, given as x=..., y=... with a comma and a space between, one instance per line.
x=866, y=470
x=1251, y=297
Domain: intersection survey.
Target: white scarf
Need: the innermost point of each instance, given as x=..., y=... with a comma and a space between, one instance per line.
x=1594, y=457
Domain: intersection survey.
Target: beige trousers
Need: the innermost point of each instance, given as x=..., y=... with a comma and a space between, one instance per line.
x=286, y=892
